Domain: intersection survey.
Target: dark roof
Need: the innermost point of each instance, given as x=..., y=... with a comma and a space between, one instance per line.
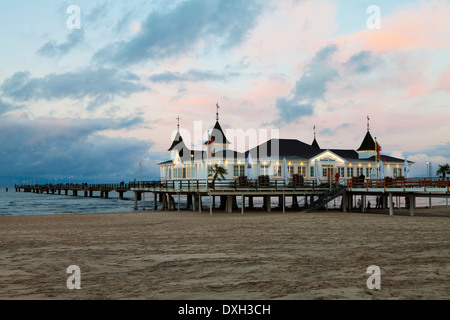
x=228, y=154
x=368, y=143
x=346, y=154
x=217, y=135
x=315, y=144
x=178, y=139
x=389, y=159
x=284, y=148
x=165, y=162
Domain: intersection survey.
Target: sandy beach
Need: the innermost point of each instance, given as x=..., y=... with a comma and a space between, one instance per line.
x=186, y=255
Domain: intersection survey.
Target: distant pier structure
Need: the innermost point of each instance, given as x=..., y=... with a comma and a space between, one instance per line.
x=103, y=190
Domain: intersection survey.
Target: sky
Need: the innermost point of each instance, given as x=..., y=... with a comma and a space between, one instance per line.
x=92, y=94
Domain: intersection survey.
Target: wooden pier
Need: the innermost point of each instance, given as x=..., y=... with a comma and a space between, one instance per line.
x=315, y=196
x=73, y=189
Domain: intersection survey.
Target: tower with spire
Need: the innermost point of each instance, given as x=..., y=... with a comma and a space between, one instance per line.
x=367, y=148
x=217, y=141
x=314, y=144
x=178, y=147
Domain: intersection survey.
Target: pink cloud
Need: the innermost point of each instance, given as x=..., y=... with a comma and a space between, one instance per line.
x=425, y=26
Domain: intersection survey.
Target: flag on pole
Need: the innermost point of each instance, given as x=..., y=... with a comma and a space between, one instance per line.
x=210, y=147
x=406, y=169
x=378, y=149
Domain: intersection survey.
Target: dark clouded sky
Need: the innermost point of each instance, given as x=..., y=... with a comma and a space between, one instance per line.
x=92, y=103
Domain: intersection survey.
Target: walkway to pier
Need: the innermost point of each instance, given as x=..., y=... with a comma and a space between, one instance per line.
x=88, y=189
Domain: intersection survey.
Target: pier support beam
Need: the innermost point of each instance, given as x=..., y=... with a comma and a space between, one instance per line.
x=194, y=203
x=267, y=203
x=75, y=193
x=135, y=200
x=229, y=205
x=250, y=202
x=411, y=205
x=344, y=202
x=294, y=202
x=211, y=199
x=189, y=202
x=391, y=204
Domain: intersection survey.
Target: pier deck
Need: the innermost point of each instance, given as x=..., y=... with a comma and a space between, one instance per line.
x=319, y=194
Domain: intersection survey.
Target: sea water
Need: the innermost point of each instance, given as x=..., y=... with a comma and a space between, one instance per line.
x=25, y=203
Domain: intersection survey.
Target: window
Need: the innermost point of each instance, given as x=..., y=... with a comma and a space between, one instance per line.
x=277, y=171
x=302, y=171
x=349, y=172
x=311, y=172
x=341, y=171
x=184, y=173
x=359, y=171
x=238, y=170
x=291, y=171
x=397, y=172
x=169, y=170
x=368, y=172
x=264, y=171
x=325, y=172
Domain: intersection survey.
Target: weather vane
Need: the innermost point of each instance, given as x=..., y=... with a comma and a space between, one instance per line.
x=314, y=131
x=217, y=113
x=368, y=123
x=178, y=125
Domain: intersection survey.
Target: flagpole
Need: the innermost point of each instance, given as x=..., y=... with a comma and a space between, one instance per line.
x=376, y=156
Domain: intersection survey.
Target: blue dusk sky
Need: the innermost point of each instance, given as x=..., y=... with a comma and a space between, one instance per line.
x=91, y=103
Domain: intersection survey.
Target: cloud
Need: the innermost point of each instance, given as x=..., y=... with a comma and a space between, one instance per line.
x=423, y=25
x=192, y=76
x=54, y=50
x=331, y=132
x=420, y=167
x=170, y=33
x=310, y=88
x=362, y=62
x=6, y=107
x=55, y=147
x=100, y=85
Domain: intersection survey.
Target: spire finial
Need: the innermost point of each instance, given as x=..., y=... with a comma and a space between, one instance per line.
x=178, y=125
x=217, y=113
x=368, y=123
x=314, y=131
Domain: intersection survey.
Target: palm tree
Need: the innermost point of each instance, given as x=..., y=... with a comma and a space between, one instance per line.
x=443, y=169
x=218, y=173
